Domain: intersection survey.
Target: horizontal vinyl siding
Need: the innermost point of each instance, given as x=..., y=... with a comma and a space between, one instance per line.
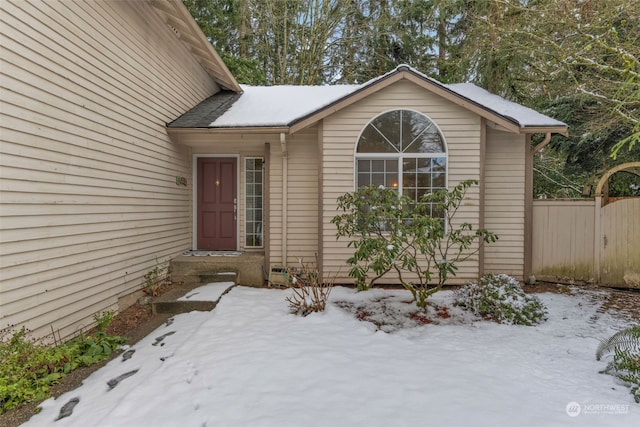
x=88, y=172
x=504, y=202
x=461, y=130
x=302, y=192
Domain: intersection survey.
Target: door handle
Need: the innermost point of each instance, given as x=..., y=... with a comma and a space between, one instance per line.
x=235, y=208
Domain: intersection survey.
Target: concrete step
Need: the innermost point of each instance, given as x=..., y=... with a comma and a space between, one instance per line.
x=168, y=303
x=249, y=268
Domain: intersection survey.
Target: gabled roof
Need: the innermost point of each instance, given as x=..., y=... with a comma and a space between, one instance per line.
x=296, y=107
x=178, y=18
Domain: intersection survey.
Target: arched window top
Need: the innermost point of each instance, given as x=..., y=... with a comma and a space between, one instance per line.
x=403, y=150
x=401, y=131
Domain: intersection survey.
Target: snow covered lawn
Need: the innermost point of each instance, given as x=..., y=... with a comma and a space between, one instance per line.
x=251, y=363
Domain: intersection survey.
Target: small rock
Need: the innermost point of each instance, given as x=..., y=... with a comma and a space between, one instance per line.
x=169, y=321
x=67, y=409
x=114, y=382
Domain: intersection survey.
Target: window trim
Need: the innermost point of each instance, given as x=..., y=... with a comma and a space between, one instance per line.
x=246, y=205
x=399, y=155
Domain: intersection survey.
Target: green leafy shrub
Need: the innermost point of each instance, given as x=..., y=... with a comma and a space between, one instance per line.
x=500, y=298
x=28, y=368
x=625, y=346
x=389, y=232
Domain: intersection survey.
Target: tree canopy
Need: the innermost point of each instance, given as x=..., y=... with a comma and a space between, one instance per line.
x=575, y=60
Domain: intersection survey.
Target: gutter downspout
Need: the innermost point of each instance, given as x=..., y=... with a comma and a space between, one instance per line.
x=528, y=204
x=285, y=198
x=544, y=142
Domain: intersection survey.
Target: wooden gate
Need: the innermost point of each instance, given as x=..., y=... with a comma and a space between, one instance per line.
x=620, y=244
x=588, y=240
x=578, y=240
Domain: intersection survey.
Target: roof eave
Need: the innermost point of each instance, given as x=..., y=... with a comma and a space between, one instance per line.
x=563, y=130
x=405, y=73
x=177, y=16
x=228, y=130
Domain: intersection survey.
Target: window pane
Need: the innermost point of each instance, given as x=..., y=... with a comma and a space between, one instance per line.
x=427, y=142
x=440, y=164
x=377, y=179
x=371, y=141
x=389, y=125
x=408, y=179
x=364, y=179
x=364, y=165
x=438, y=180
x=413, y=124
x=424, y=180
x=392, y=180
x=411, y=192
x=377, y=165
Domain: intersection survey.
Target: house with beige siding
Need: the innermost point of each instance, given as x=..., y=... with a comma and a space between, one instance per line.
x=293, y=150
x=126, y=143
x=91, y=194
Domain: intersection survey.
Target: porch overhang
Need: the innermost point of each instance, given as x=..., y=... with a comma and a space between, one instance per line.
x=185, y=136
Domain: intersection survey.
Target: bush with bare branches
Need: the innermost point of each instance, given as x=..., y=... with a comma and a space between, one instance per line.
x=309, y=291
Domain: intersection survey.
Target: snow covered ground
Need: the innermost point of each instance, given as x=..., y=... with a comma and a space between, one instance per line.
x=251, y=363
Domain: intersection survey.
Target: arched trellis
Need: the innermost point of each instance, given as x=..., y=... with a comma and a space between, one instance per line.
x=598, y=192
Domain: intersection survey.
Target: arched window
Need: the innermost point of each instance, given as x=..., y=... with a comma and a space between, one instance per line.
x=404, y=150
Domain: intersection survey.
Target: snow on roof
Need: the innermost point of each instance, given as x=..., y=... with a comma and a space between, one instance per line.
x=275, y=106
x=524, y=116
x=279, y=105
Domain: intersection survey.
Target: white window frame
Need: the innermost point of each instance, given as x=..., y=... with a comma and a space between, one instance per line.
x=398, y=155
x=246, y=204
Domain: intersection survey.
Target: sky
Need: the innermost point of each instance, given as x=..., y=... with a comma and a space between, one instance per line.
x=250, y=362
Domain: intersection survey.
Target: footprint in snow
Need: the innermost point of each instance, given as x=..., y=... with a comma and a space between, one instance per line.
x=161, y=337
x=127, y=354
x=115, y=381
x=169, y=322
x=67, y=408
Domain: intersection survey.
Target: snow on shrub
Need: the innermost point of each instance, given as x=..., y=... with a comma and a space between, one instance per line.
x=500, y=298
x=309, y=292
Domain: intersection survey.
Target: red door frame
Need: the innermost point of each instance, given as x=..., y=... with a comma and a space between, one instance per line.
x=198, y=161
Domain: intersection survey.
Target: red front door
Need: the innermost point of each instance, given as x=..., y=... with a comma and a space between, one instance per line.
x=217, y=203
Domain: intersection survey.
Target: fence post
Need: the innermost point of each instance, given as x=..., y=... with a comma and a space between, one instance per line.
x=597, y=237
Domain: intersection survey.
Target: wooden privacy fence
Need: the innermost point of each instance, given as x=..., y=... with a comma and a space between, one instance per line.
x=582, y=240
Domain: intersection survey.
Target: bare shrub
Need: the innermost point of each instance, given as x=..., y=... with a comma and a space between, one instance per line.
x=309, y=291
